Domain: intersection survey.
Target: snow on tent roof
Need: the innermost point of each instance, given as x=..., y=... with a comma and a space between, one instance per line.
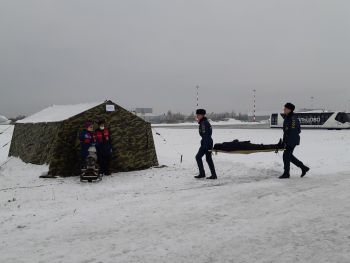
x=3, y=119
x=58, y=113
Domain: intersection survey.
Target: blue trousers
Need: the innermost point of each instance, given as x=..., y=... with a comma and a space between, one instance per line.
x=288, y=158
x=209, y=160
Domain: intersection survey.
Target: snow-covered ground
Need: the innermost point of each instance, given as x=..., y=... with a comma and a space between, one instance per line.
x=164, y=215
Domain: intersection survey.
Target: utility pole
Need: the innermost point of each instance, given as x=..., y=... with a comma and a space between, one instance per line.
x=254, y=105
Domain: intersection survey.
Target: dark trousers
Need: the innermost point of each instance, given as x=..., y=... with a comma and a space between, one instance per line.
x=209, y=159
x=288, y=158
x=84, y=153
x=104, y=161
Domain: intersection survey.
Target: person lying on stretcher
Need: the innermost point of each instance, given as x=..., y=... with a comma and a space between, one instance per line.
x=237, y=146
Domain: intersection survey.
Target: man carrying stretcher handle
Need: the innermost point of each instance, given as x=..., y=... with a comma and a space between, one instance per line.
x=291, y=138
x=205, y=131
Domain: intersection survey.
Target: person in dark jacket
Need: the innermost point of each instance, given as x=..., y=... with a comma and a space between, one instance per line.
x=205, y=131
x=87, y=139
x=291, y=138
x=103, y=147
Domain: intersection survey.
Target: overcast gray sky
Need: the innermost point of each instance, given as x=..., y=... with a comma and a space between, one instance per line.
x=153, y=53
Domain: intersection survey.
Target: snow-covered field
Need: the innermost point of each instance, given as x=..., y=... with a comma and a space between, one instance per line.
x=164, y=215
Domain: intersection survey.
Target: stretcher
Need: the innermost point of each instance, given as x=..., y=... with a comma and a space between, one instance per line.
x=246, y=151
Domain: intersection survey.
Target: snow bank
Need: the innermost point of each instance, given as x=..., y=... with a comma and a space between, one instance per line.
x=214, y=123
x=6, y=132
x=57, y=113
x=234, y=121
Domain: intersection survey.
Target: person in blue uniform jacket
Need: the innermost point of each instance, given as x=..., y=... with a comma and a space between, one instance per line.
x=87, y=139
x=205, y=131
x=291, y=138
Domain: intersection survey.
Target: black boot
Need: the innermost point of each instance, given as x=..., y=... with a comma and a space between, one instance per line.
x=284, y=176
x=304, y=170
x=213, y=177
x=200, y=176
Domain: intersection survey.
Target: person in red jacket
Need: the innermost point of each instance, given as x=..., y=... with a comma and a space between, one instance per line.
x=103, y=147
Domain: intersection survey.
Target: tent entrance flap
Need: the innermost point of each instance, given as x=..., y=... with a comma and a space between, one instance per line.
x=246, y=147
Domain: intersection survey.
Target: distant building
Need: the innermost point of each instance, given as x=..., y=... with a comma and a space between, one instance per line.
x=152, y=118
x=143, y=110
x=148, y=115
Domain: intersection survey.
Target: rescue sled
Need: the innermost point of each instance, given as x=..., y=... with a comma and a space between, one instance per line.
x=90, y=172
x=246, y=147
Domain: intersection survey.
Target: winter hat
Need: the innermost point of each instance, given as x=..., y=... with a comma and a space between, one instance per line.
x=88, y=124
x=290, y=106
x=201, y=112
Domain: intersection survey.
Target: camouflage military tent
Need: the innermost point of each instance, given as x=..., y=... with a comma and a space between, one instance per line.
x=51, y=137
